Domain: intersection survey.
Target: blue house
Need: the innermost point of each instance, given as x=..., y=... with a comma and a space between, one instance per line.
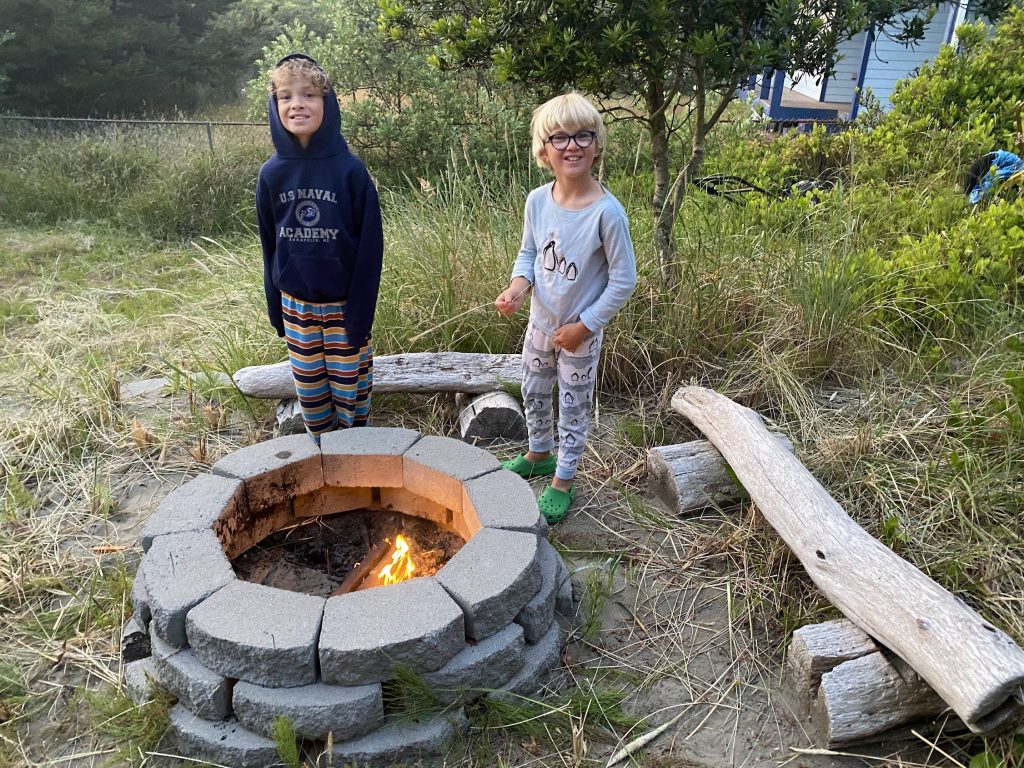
x=871, y=59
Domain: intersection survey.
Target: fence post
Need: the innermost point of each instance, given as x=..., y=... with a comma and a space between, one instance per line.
x=209, y=135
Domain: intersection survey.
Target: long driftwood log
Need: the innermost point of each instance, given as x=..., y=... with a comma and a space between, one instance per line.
x=416, y=372
x=977, y=669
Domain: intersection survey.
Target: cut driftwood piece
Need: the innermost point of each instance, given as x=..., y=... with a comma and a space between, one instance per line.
x=692, y=476
x=869, y=700
x=866, y=698
x=416, y=372
x=818, y=648
x=491, y=416
x=977, y=669
x=289, y=418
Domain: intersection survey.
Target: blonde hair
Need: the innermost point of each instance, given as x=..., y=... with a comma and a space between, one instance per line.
x=299, y=69
x=569, y=112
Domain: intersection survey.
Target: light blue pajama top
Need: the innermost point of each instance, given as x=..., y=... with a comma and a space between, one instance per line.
x=580, y=263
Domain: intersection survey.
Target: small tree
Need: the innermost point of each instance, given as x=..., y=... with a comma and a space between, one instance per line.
x=671, y=64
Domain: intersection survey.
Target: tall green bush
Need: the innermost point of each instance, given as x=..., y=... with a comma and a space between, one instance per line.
x=979, y=84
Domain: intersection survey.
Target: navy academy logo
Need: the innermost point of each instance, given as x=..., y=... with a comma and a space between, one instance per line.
x=307, y=213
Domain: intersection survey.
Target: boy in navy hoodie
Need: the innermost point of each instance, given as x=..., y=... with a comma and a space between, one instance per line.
x=323, y=247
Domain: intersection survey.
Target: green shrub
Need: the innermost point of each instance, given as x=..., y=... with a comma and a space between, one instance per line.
x=981, y=83
x=950, y=281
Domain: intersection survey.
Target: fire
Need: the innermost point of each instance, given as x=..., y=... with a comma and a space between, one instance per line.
x=401, y=566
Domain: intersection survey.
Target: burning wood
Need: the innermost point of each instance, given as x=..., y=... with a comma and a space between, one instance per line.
x=386, y=563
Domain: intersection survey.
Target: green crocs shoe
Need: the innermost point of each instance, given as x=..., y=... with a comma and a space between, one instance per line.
x=553, y=503
x=528, y=469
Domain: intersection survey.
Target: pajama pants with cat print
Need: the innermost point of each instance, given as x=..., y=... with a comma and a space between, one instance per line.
x=545, y=365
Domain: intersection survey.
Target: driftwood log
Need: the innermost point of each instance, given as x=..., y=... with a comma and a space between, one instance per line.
x=490, y=416
x=977, y=669
x=416, y=372
x=692, y=476
x=858, y=692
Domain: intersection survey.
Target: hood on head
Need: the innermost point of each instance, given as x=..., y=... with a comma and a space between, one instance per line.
x=327, y=140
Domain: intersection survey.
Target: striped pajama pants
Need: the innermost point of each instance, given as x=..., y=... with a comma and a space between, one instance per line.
x=333, y=380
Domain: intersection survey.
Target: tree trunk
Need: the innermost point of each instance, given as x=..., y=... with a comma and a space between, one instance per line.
x=664, y=241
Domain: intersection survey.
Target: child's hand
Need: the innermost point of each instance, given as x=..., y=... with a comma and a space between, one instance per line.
x=511, y=299
x=571, y=335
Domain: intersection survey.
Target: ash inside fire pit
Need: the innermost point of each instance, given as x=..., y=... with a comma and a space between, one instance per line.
x=328, y=555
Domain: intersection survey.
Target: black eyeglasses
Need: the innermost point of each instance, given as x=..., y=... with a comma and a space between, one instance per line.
x=560, y=141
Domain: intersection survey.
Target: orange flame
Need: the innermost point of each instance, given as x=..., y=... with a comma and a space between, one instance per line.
x=401, y=566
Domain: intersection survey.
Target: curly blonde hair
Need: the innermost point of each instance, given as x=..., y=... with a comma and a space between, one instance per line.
x=299, y=67
x=569, y=112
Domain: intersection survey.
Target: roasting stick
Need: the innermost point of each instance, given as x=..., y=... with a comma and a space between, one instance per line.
x=452, y=319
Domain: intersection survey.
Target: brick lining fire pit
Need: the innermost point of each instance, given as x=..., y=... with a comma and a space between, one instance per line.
x=238, y=654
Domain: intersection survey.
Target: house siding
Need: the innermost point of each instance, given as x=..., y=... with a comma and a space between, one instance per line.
x=891, y=61
x=842, y=85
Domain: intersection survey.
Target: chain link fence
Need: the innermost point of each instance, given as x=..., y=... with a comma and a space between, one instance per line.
x=208, y=132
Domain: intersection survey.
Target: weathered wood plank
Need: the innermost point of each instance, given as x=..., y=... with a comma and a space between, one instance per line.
x=416, y=372
x=692, y=476
x=976, y=668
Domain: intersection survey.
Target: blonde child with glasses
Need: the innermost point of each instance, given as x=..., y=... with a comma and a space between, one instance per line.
x=577, y=262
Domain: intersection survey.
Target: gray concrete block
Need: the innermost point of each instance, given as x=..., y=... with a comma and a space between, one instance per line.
x=565, y=602
x=487, y=664
x=182, y=570
x=204, y=692
x=225, y=743
x=364, y=457
x=452, y=457
x=401, y=500
x=401, y=742
x=540, y=660
x=503, y=499
x=134, y=641
x=140, y=678
x=366, y=633
x=239, y=533
x=274, y=471
x=259, y=634
x=140, y=598
x=345, y=711
x=491, y=578
x=436, y=468
x=537, y=615
x=194, y=506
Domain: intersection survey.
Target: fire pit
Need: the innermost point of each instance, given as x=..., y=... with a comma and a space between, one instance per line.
x=238, y=654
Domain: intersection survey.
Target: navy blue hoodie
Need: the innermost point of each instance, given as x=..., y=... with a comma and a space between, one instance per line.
x=319, y=222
